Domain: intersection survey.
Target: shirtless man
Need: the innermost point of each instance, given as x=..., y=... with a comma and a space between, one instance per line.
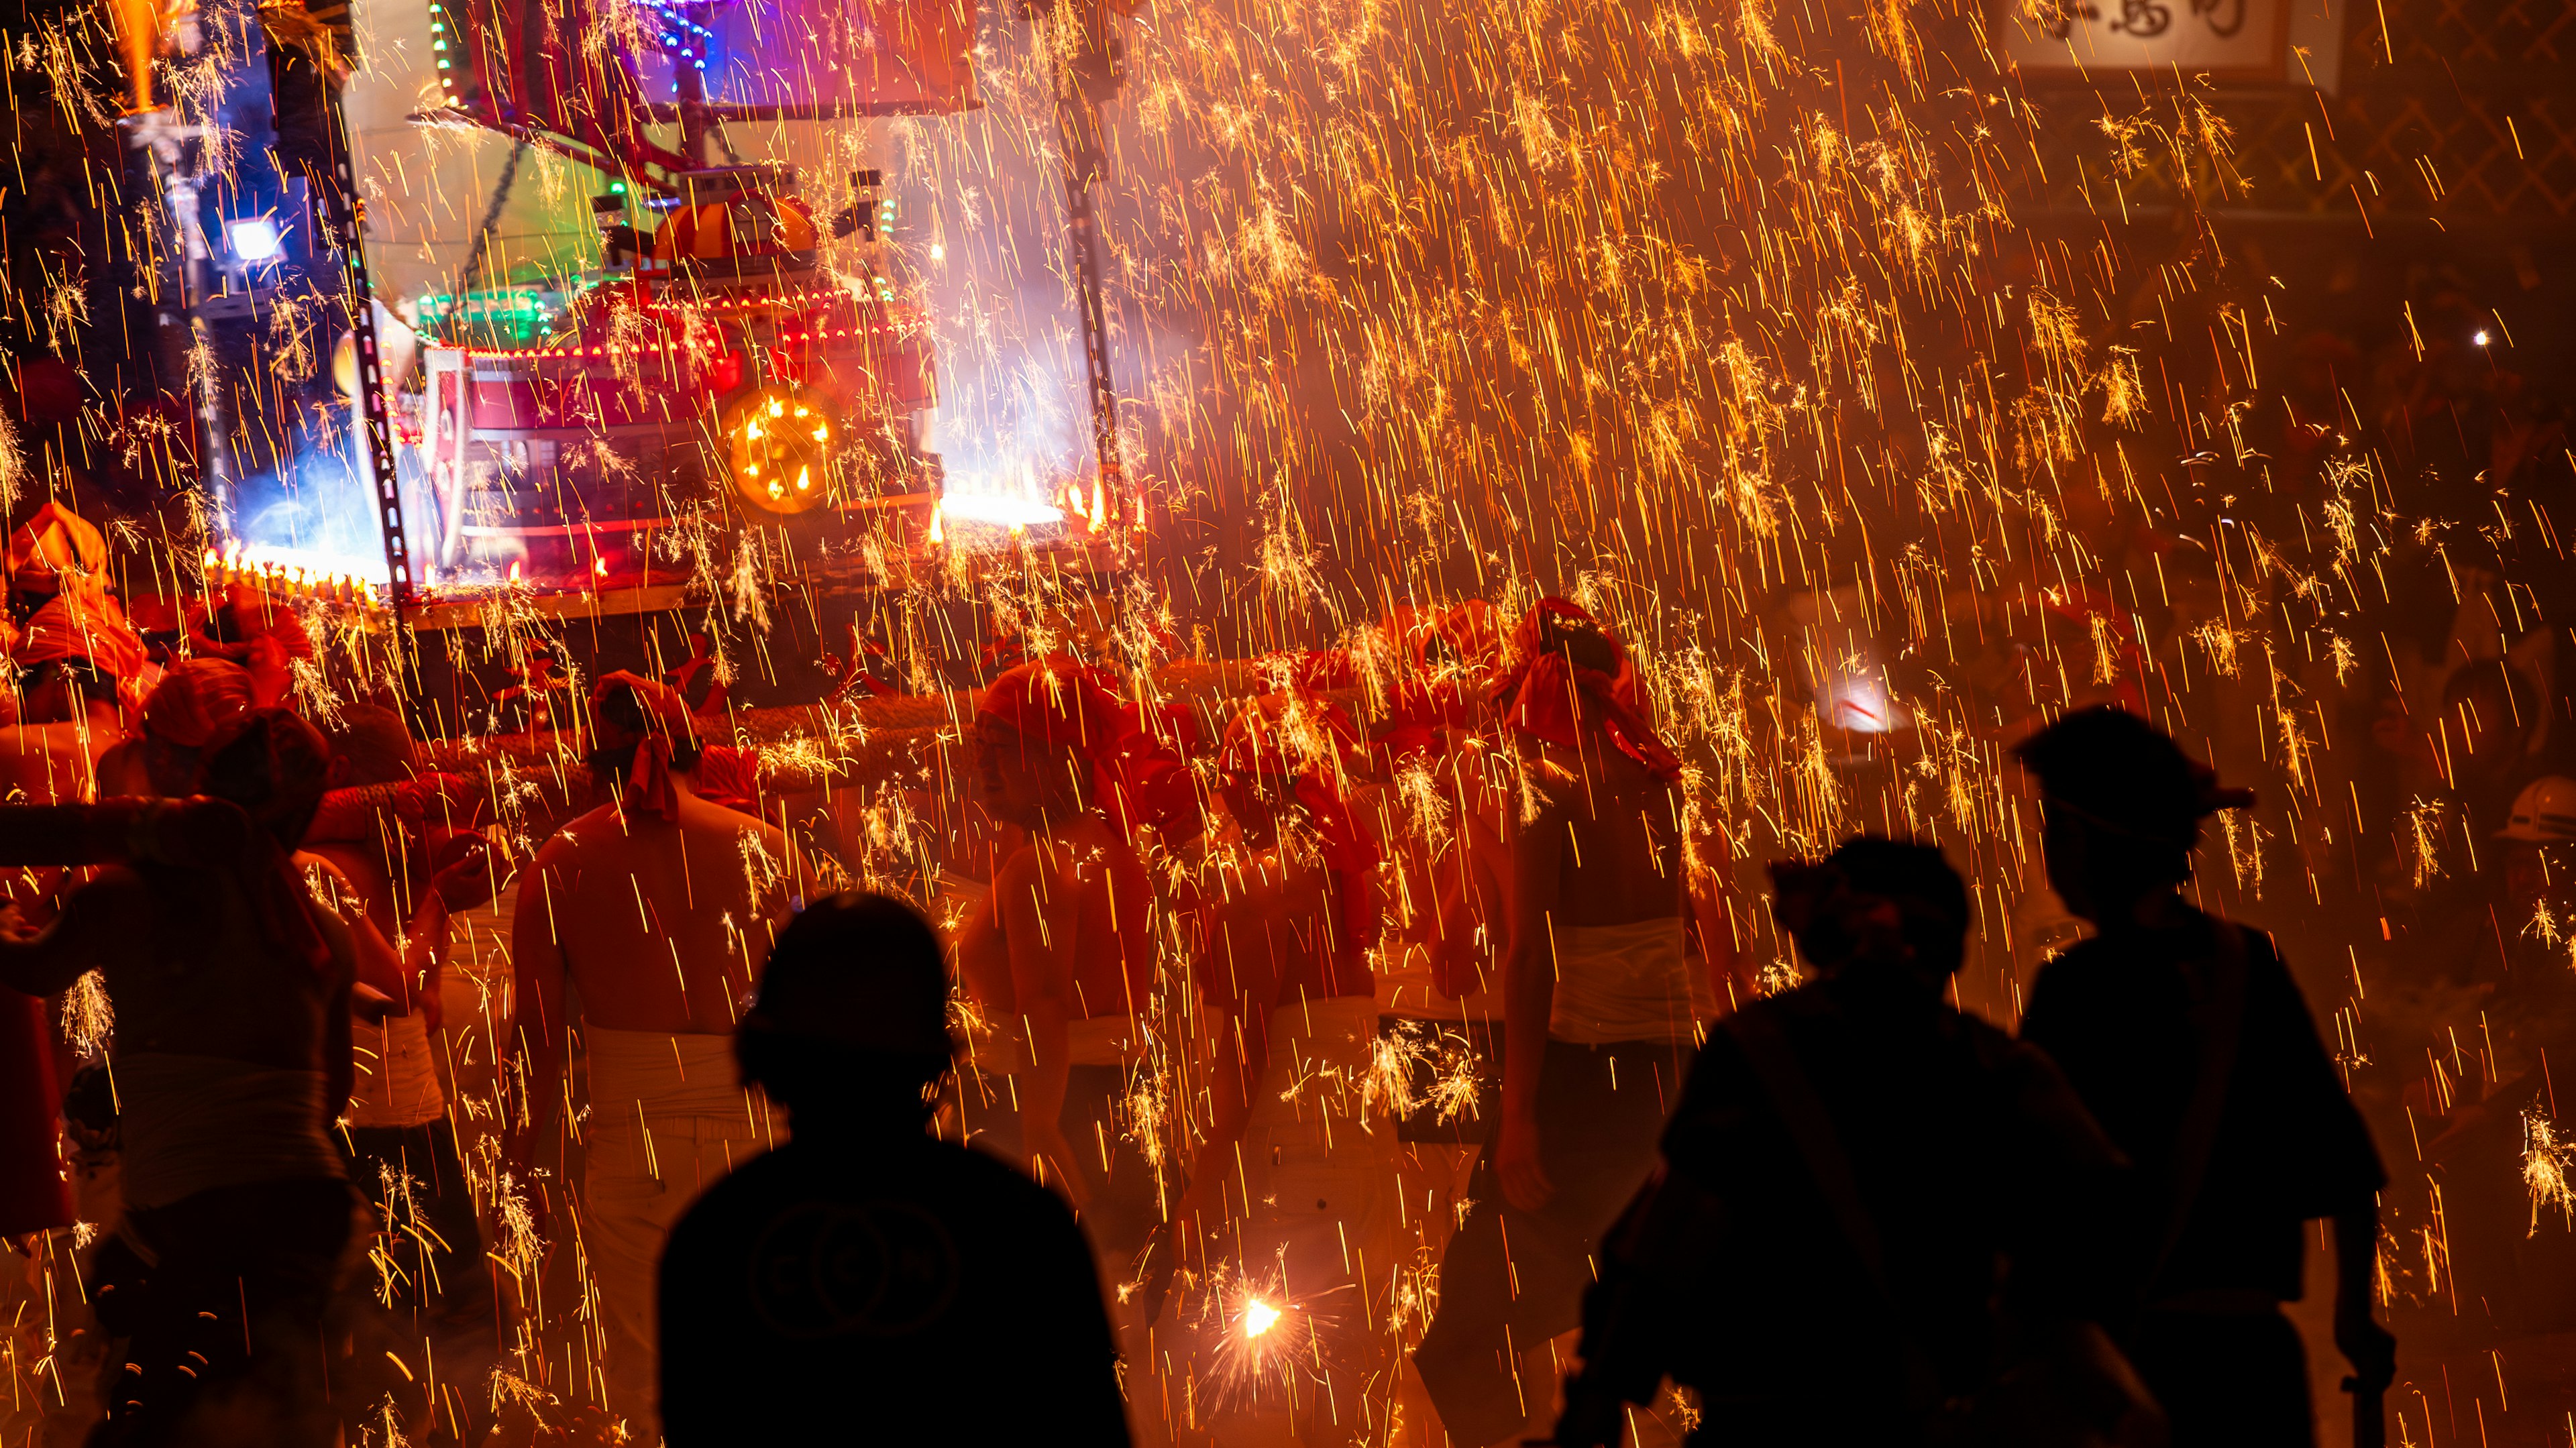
x=1294, y=1190
x=659, y=907
x=232, y=996
x=1600, y=1014
x=1072, y=910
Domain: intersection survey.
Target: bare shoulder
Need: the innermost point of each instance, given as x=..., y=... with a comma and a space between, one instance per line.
x=328, y=884
x=565, y=850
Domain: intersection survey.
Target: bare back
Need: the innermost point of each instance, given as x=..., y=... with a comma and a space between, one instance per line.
x=661, y=924
x=1619, y=830
x=1086, y=878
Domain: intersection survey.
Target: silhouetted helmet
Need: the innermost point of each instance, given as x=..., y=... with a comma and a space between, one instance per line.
x=2544, y=813
x=857, y=971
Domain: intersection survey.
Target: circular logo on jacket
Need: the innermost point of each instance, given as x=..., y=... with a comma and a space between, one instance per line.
x=877, y=1269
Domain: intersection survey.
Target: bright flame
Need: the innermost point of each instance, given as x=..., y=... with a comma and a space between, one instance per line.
x=998, y=508
x=1258, y=1317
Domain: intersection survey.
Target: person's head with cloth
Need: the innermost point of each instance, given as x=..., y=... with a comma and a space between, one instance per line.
x=76, y=649
x=2121, y=806
x=1567, y=677
x=1875, y=910
x=849, y=1029
x=644, y=743
x=1288, y=756
x=193, y=701
x=1047, y=738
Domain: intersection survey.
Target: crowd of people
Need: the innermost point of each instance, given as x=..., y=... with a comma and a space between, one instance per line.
x=1475, y=1112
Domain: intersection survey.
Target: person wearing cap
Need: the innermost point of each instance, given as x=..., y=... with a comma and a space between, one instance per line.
x=232, y=990
x=1292, y=1198
x=863, y=1281
x=1069, y=923
x=33, y=765
x=2190, y=1043
x=658, y=906
x=1602, y=1004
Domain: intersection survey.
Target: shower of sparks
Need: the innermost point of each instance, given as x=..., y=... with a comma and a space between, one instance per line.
x=1762, y=330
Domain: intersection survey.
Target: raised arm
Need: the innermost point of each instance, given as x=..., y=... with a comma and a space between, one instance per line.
x=104, y=924
x=196, y=832
x=1529, y=993
x=377, y=966
x=1041, y=913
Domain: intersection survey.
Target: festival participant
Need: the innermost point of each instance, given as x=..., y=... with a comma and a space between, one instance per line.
x=1600, y=1010
x=1445, y=816
x=232, y=996
x=1294, y=1149
x=2190, y=1043
x=865, y=1282
x=256, y=630
x=401, y=1142
x=194, y=699
x=1907, y=1170
x=1073, y=909
x=81, y=663
x=657, y=906
x=77, y=656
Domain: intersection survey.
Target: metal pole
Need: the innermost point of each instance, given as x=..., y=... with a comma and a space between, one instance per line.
x=1082, y=81
x=348, y=218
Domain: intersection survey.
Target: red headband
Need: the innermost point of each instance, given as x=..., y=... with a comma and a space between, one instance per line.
x=649, y=783
x=1548, y=696
x=1063, y=703
x=193, y=699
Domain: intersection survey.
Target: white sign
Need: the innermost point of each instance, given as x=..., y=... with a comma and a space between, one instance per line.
x=2227, y=40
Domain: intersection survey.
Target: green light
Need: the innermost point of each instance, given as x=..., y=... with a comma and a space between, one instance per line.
x=616, y=188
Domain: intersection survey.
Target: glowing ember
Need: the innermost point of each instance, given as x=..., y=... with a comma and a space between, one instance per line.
x=1258, y=1317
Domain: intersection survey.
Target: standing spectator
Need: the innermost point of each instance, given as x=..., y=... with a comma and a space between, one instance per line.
x=2190, y=1043
x=866, y=1282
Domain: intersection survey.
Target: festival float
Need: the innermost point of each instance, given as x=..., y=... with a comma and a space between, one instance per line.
x=719, y=389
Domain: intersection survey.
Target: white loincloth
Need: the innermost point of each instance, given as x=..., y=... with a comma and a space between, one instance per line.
x=187, y=1124
x=1629, y=982
x=668, y=1118
x=397, y=1080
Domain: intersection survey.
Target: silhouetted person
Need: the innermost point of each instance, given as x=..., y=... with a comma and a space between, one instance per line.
x=1850, y=1166
x=2191, y=1045
x=232, y=999
x=865, y=1282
